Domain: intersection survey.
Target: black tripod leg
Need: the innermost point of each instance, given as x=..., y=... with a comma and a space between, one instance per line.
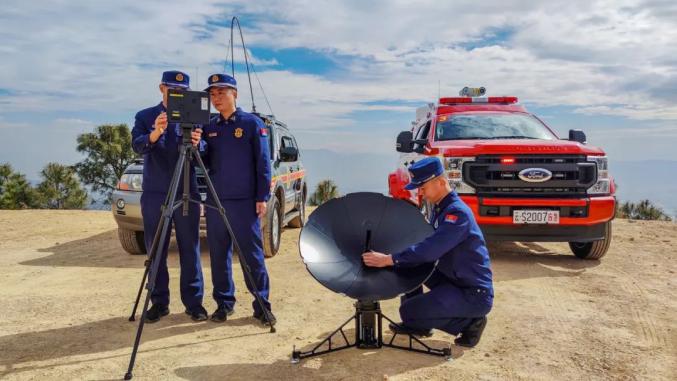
x=243, y=262
x=153, y=249
x=186, y=184
x=165, y=223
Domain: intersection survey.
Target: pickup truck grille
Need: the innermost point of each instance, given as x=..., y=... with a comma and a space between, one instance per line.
x=572, y=175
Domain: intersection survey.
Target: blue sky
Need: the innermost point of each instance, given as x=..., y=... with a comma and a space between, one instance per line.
x=345, y=75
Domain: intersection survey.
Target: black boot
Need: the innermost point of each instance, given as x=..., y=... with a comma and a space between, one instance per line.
x=156, y=312
x=400, y=328
x=260, y=316
x=470, y=336
x=221, y=314
x=197, y=313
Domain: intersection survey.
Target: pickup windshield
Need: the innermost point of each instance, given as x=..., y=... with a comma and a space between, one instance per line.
x=491, y=126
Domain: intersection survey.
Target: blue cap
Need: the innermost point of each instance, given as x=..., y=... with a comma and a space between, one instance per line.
x=424, y=170
x=175, y=78
x=221, y=80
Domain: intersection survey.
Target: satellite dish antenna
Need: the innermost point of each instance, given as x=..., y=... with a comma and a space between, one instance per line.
x=331, y=246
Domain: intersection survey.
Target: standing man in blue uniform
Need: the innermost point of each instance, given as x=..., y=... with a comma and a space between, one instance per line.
x=461, y=289
x=160, y=144
x=238, y=157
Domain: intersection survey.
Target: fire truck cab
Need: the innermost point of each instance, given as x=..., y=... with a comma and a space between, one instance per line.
x=522, y=181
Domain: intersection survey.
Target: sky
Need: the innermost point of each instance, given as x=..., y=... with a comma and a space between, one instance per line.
x=344, y=75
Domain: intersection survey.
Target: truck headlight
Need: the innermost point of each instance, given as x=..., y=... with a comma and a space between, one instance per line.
x=454, y=171
x=131, y=182
x=603, y=184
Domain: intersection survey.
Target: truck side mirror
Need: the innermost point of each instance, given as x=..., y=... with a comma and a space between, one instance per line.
x=577, y=136
x=419, y=145
x=404, y=142
x=289, y=154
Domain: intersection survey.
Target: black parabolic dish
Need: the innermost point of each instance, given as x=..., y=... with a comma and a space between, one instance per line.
x=337, y=233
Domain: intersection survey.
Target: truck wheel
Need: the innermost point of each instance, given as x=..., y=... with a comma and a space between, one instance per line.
x=132, y=241
x=594, y=249
x=300, y=220
x=272, y=230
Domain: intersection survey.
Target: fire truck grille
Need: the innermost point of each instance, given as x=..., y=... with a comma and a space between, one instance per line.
x=571, y=176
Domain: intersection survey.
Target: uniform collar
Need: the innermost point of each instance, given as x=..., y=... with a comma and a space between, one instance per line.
x=446, y=200
x=161, y=107
x=234, y=117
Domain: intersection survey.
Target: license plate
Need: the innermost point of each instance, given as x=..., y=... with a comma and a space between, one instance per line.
x=535, y=217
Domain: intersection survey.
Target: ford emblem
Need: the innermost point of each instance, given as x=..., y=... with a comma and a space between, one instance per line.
x=535, y=175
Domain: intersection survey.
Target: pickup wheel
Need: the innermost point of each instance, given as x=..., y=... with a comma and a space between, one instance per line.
x=272, y=229
x=300, y=220
x=132, y=241
x=595, y=249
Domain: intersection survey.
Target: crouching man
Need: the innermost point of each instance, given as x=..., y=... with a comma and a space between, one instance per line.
x=461, y=290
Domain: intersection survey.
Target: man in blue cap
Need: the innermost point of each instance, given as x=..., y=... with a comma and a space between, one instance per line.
x=461, y=290
x=238, y=157
x=160, y=143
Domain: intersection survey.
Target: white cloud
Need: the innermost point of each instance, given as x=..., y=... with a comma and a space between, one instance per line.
x=603, y=57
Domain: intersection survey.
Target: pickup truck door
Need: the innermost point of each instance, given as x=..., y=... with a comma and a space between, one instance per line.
x=287, y=172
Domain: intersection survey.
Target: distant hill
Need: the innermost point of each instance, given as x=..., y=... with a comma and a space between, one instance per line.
x=655, y=180
x=351, y=172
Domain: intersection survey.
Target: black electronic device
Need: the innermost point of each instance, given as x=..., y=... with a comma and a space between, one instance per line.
x=188, y=107
x=331, y=245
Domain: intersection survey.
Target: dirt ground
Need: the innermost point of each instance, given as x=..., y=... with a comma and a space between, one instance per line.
x=67, y=288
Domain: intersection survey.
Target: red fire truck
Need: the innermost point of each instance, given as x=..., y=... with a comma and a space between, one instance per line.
x=521, y=180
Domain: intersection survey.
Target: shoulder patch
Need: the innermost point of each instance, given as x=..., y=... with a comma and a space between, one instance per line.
x=451, y=218
x=264, y=132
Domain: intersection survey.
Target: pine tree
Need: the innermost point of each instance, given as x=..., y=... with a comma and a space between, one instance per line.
x=325, y=191
x=108, y=152
x=15, y=191
x=60, y=188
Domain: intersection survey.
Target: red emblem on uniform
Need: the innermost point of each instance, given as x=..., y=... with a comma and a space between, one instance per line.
x=264, y=132
x=451, y=218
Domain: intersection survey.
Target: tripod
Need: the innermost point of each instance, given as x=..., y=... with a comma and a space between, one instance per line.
x=368, y=334
x=152, y=264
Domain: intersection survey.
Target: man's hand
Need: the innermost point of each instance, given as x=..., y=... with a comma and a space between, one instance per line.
x=261, y=208
x=195, y=136
x=160, y=126
x=376, y=259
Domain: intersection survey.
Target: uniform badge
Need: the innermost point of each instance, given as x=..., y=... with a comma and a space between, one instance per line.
x=264, y=132
x=238, y=132
x=451, y=218
x=179, y=77
x=215, y=78
x=212, y=134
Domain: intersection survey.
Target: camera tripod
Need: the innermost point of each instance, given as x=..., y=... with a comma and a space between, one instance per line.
x=152, y=264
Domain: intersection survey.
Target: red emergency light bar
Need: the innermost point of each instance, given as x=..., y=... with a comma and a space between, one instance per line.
x=457, y=100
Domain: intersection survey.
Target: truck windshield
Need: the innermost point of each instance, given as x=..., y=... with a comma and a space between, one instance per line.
x=491, y=126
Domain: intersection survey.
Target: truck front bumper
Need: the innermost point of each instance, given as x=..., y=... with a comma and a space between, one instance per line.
x=581, y=220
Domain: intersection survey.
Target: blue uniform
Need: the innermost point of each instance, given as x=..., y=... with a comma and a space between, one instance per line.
x=238, y=157
x=159, y=161
x=461, y=286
